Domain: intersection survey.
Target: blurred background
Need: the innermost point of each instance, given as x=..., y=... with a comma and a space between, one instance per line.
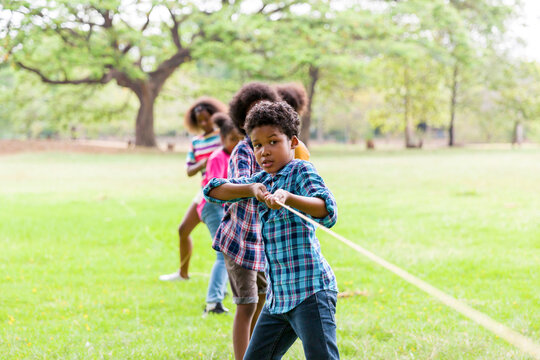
x=410, y=73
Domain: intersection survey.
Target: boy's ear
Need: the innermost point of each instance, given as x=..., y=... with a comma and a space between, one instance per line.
x=294, y=142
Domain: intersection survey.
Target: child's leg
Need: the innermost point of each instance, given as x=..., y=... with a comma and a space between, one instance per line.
x=272, y=337
x=189, y=222
x=314, y=323
x=242, y=328
x=245, y=296
x=218, y=281
x=262, y=286
x=211, y=215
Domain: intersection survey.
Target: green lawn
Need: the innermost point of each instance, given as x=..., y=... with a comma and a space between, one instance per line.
x=83, y=238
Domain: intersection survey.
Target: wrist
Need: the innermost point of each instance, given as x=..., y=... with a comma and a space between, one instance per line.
x=287, y=197
x=252, y=190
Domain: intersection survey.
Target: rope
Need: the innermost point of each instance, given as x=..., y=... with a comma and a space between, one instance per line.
x=522, y=342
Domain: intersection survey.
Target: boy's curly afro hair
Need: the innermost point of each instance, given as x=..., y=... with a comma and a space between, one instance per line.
x=209, y=104
x=224, y=123
x=246, y=97
x=278, y=114
x=295, y=95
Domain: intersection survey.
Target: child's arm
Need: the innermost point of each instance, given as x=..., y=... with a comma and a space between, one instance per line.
x=228, y=191
x=195, y=168
x=313, y=206
x=309, y=195
x=221, y=191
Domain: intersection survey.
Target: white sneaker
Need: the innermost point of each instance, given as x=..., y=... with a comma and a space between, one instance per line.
x=175, y=276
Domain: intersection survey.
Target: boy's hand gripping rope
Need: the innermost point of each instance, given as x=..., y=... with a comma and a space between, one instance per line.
x=522, y=342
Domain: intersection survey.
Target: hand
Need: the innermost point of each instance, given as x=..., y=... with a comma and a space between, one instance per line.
x=259, y=191
x=203, y=163
x=272, y=199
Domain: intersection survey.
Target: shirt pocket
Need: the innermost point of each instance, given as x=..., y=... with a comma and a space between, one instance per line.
x=280, y=214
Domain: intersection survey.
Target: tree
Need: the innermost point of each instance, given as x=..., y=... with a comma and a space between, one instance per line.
x=410, y=70
x=314, y=43
x=481, y=23
x=136, y=43
x=518, y=87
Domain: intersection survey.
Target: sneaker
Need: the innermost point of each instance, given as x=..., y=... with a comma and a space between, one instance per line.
x=215, y=308
x=172, y=277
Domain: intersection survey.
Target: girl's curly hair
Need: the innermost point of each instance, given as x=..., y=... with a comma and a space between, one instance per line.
x=211, y=105
x=246, y=97
x=295, y=95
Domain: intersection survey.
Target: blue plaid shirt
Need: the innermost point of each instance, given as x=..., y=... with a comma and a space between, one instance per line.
x=295, y=267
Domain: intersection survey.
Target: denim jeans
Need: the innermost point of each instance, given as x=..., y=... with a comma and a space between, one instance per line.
x=313, y=321
x=211, y=215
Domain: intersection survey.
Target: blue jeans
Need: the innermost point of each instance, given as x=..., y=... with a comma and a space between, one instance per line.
x=313, y=321
x=211, y=215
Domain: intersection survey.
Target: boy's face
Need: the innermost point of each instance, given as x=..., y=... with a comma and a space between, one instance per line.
x=273, y=149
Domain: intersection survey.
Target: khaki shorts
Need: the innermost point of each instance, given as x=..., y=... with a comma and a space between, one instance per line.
x=246, y=285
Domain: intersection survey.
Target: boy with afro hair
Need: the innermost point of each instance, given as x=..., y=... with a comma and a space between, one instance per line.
x=302, y=288
x=238, y=236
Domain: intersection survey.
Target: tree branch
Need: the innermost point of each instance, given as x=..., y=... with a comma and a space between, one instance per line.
x=107, y=17
x=103, y=80
x=147, y=19
x=64, y=38
x=276, y=10
x=174, y=30
x=167, y=67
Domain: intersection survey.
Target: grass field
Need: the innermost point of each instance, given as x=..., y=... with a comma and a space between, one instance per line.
x=83, y=238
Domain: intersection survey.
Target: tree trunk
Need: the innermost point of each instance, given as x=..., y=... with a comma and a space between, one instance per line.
x=518, y=136
x=144, y=123
x=407, y=111
x=306, y=119
x=320, y=130
x=453, y=102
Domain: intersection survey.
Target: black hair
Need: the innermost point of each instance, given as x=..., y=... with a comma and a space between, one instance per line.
x=278, y=114
x=207, y=104
x=224, y=123
x=246, y=97
x=293, y=94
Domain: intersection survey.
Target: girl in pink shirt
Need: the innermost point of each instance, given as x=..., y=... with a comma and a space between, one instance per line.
x=211, y=214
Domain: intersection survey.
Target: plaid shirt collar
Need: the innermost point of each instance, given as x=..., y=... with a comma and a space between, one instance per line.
x=284, y=171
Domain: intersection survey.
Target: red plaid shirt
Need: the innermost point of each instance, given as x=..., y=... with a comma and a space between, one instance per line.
x=239, y=234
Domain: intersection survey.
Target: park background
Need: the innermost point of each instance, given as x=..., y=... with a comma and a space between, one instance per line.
x=446, y=91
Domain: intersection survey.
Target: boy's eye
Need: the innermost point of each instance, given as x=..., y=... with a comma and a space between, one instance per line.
x=256, y=146
x=272, y=142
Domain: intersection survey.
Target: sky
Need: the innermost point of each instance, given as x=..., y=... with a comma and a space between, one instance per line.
x=528, y=28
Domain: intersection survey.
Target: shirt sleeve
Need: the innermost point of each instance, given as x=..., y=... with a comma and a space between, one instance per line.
x=190, y=157
x=215, y=182
x=311, y=184
x=214, y=168
x=240, y=163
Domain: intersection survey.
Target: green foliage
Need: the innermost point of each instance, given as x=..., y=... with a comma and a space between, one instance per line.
x=31, y=107
x=392, y=52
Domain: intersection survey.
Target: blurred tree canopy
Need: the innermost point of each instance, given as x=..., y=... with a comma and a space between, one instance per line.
x=369, y=66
